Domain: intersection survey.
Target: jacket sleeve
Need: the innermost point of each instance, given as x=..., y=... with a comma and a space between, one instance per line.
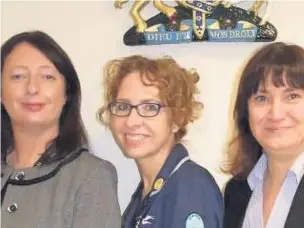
x=96, y=203
x=196, y=202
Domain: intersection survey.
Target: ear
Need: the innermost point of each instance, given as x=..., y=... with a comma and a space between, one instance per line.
x=175, y=128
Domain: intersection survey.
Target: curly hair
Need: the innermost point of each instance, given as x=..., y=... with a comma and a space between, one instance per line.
x=177, y=87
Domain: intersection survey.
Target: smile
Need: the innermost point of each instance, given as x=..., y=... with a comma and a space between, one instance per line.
x=33, y=107
x=135, y=137
x=276, y=129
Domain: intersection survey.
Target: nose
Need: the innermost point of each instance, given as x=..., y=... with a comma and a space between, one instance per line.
x=276, y=110
x=133, y=119
x=32, y=85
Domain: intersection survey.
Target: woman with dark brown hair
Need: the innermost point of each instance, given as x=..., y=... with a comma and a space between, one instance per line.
x=49, y=178
x=266, y=158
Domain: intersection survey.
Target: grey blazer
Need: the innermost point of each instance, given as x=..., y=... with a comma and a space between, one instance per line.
x=79, y=191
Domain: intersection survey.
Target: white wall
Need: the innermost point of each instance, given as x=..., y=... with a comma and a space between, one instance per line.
x=91, y=33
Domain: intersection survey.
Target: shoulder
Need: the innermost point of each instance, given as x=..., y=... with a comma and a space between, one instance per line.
x=236, y=196
x=236, y=190
x=194, y=183
x=191, y=173
x=89, y=167
x=197, y=194
x=92, y=162
x=235, y=185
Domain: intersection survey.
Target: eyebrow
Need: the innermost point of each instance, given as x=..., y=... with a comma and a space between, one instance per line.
x=20, y=67
x=261, y=90
x=48, y=67
x=40, y=67
x=141, y=101
x=290, y=89
x=287, y=90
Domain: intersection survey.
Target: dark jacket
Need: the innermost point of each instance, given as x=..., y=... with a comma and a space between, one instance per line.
x=184, y=194
x=237, y=196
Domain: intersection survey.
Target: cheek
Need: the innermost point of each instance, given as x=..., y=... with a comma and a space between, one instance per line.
x=11, y=95
x=161, y=125
x=56, y=95
x=116, y=125
x=298, y=112
x=256, y=120
x=257, y=114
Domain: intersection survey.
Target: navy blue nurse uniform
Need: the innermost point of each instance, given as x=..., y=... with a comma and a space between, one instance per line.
x=184, y=195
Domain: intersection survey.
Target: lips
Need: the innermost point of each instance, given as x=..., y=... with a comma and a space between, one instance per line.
x=276, y=129
x=135, y=140
x=33, y=107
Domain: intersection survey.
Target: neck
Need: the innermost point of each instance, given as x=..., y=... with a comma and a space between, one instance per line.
x=278, y=166
x=151, y=166
x=29, y=144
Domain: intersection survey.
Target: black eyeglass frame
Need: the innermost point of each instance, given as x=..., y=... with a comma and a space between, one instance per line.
x=159, y=106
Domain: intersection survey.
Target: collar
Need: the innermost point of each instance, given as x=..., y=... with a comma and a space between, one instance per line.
x=257, y=174
x=49, y=153
x=37, y=173
x=178, y=156
x=297, y=167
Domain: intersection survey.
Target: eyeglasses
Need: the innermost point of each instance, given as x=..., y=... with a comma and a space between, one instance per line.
x=143, y=109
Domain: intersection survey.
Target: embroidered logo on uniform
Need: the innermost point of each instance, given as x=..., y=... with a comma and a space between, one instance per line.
x=147, y=220
x=158, y=183
x=194, y=220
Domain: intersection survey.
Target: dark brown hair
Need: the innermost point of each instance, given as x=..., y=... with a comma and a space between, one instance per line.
x=72, y=133
x=279, y=62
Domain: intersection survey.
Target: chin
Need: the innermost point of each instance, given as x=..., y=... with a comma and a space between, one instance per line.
x=134, y=153
x=278, y=147
x=33, y=122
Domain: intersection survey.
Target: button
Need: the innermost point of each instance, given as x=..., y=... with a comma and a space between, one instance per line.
x=12, y=208
x=159, y=183
x=20, y=176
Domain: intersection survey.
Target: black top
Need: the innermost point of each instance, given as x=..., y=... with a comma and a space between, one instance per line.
x=237, y=195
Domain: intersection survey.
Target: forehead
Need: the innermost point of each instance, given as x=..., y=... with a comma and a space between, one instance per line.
x=135, y=87
x=271, y=82
x=25, y=54
x=280, y=81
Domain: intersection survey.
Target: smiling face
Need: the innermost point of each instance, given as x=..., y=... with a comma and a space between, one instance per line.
x=276, y=119
x=141, y=137
x=33, y=91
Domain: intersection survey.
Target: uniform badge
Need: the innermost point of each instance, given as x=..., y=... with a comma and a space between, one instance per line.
x=159, y=183
x=194, y=220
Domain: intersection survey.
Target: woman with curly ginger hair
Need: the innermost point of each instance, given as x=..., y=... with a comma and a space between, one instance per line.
x=148, y=105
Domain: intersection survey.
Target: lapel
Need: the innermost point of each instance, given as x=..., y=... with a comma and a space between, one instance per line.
x=243, y=200
x=295, y=218
x=237, y=196
x=244, y=203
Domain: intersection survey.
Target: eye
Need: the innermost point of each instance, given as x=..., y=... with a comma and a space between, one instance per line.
x=260, y=98
x=121, y=106
x=16, y=76
x=293, y=96
x=49, y=77
x=151, y=107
